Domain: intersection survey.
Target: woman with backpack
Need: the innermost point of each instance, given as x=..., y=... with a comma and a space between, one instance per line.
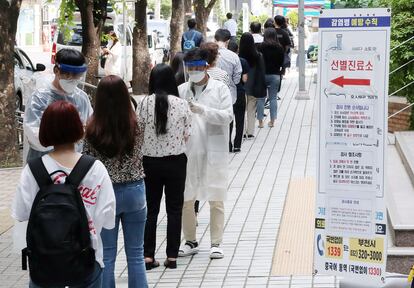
x=273, y=54
x=256, y=83
x=75, y=191
x=166, y=119
x=114, y=136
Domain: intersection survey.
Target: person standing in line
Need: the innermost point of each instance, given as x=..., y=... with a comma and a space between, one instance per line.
x=231, y=25
x=207, y=151
x=213, y=71
x=114, y=136
x=166, y=119
x=269, y=23
x=60, y=128
x=256, y=81
x=112, y=53
x=256, y=30
x=192, y=38
x=273, y=55
x=216, y=73
x=284, y=40
x=239, y=108
x=228, y=60
x=69, y=70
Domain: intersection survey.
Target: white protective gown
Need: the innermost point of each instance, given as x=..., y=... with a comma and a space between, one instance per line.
x=37, y=104
x=208, y=146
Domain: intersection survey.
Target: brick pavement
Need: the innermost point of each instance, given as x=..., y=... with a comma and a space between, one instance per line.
x=260, y=176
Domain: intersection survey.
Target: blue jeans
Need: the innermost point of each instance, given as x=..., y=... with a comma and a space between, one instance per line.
x=94, y=281
x=131, y=209
x=272, y=83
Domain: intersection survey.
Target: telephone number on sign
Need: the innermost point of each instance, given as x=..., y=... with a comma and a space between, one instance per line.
x=334, y=251
x=367, y=255
x=374, y=271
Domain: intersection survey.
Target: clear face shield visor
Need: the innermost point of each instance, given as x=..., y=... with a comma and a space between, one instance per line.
x=70, y=76
x=194, y=71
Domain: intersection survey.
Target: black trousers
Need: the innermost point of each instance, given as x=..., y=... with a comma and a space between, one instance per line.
x=164, y=174
x=239, y=110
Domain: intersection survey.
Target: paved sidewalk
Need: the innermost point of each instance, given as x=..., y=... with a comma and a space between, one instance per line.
x=260, y=178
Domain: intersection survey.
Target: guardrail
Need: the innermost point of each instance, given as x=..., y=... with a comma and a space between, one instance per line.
x=20, y=134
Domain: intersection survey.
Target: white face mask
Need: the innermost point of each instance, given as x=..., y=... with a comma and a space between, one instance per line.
x=68, y=85
x=196, y=76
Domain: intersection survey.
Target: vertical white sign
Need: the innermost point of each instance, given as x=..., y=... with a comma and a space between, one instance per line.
x=350, y=237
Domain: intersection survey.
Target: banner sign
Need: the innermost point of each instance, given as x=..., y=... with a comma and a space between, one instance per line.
x=350, y=237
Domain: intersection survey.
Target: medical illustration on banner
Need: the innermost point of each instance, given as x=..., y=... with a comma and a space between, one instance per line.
x=350, y=224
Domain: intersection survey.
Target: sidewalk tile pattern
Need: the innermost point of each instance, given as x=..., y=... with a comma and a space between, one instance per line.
x=260, y=177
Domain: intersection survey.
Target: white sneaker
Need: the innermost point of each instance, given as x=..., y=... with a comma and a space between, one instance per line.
x=216, y=252
x=189, y=248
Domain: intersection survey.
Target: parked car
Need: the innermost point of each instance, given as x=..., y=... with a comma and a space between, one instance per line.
x=25, y=77
x=161, y=29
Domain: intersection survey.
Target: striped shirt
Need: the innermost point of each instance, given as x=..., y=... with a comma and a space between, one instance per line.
x=219, y=75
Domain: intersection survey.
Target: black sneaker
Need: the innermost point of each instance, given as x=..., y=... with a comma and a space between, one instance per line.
x=249, y=136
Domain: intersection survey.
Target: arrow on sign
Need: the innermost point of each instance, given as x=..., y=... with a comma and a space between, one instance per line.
x=341, y=81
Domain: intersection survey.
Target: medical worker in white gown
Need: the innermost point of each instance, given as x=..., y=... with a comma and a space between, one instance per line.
x=207, y=151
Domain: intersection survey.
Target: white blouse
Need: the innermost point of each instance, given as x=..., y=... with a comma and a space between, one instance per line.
x=178, y=127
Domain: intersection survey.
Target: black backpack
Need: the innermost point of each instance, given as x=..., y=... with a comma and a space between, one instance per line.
x=58, y=240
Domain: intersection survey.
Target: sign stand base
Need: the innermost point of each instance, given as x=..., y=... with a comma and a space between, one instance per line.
x=302, y=95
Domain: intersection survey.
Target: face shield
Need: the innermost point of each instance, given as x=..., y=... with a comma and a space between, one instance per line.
x=70, y=76
x=195, y=71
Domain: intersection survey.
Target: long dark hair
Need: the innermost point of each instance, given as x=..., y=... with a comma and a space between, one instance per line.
x=113, y=125
x=270, y=38
x=247, y=49
x=178, y=68
x=162, y=83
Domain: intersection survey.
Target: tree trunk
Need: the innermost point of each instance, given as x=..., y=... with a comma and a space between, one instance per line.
x=9, y=152
x=202, y=12
x=141, y=58
x=93, y=15
x=188, y=10
x=176, y=26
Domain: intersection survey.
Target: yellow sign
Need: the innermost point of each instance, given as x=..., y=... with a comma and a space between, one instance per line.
x=366, y=250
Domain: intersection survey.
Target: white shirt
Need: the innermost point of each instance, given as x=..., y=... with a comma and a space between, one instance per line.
x=113, y=63
x=231, y=25
x=257, y=38
x=96, y=191
x=178, y=127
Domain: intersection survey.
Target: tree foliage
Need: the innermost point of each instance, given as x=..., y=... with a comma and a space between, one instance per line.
x=166, y=8
x=293, y=18
x=402, y=29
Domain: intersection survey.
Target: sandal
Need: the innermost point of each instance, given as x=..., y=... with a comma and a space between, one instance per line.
x=151, y=265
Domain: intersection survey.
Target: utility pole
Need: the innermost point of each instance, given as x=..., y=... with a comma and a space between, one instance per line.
x=302, y=93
